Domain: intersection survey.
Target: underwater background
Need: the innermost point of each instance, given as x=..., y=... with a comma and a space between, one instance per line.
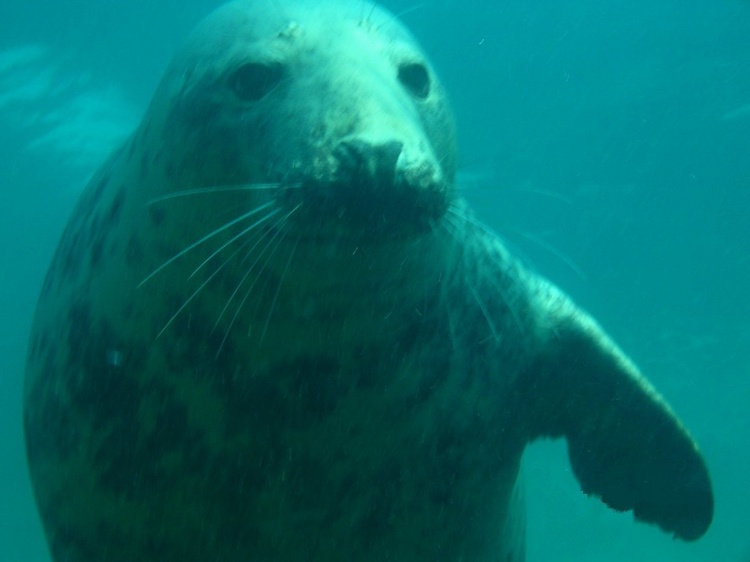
x=607, y=141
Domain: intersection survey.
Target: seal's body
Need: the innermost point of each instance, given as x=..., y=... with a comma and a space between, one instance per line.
x=273, y=332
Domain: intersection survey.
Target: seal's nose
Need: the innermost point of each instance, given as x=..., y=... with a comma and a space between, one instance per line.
x=368, y=163
x=375, y=183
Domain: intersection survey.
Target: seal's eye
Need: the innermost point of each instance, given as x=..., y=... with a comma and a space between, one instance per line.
x=252, y=81
x=415, y=78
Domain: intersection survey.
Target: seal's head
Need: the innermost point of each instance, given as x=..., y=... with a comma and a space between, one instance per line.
x=333, y=101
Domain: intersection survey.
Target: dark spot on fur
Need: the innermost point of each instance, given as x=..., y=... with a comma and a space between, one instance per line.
x=437, y=367
x=375, y=523
x=315, y=383
x=74, y=543
x=99, y=233
x=457, y=451
x=85, y=378
x=258, y=402
x=67, y=542
x=197, y=112
x=157, y=215
x=88, y=203
x=308, y=483
x=171, y=429
x=39, y=346
x=49, y=425
x=369, y=374
x=49, y=281
x=430, y=382
x=134, y=467
x=116, y=208
x=103, y=387
x=193, y=342
x=86, y=233
x=134, y=254
x=144, y=166
x=69, y=257
x=158, y=157
x=96, y=251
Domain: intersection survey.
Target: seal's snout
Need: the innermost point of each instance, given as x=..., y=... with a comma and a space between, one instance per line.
x=382, y=181
x=369, y=163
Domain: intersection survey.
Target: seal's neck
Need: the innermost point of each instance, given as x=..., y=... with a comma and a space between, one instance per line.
x=346, y=272
x=347, y=290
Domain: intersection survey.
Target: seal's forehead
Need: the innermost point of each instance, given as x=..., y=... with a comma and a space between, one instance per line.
x=261, y=19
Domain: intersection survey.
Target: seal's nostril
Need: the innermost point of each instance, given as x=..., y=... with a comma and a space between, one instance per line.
x=350, y=154
x=387, y=154
x=367, y=160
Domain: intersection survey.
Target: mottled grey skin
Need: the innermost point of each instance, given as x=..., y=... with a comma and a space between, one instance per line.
x=359, y=385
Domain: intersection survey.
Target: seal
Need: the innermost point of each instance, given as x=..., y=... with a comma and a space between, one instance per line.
x=274, y=331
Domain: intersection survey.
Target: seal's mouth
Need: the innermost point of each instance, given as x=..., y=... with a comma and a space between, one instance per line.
x=371, y=190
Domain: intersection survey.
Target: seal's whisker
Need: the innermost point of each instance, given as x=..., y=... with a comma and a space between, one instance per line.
x=485, y=313
x=396, y=18
x=448, y=231
x=459, y=214
x=457, y=211
x=247, y=273
x=249, y=289
x=471, y=219
x=455, y=226
x=278, y=290
x=450, y=225
x=202, y=286
x=546, y=193
x=449, y=220
x=539, y=241
x=223, y=189
x=233, y=239
x=513, y=312
x=516, y=249
x=205, y=238
x=368, y=19
x=268, y=259
x=249, y=253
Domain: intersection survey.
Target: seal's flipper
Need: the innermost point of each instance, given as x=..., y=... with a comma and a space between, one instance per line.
x=626, y=446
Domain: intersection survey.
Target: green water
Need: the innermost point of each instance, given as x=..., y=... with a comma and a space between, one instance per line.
x=609, y=142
